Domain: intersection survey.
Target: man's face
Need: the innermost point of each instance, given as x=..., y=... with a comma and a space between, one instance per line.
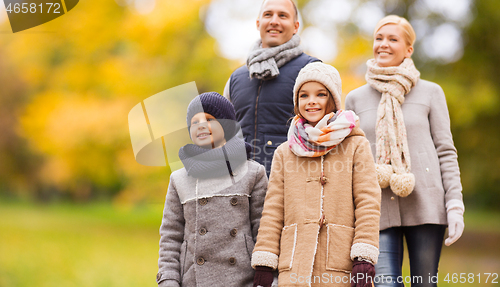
x=277, y=23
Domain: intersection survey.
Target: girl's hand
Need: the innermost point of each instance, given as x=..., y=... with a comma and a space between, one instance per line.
x=363, y=273
x=263, y=276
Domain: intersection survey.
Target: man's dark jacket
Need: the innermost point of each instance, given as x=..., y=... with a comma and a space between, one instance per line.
x=264, y=108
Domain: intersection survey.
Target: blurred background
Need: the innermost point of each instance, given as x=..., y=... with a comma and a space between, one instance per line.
x=76, y=209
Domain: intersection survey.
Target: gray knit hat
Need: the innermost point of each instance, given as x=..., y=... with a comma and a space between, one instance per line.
x=321, y=73
x=219, y=107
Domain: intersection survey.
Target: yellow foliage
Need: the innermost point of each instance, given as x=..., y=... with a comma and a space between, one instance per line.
x=86, y=70
x=59, y=123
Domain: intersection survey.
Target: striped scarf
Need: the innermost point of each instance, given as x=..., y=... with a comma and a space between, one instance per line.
x=392, y=153
x=305, y=140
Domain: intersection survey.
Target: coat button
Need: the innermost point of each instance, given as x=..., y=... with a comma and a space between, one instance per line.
x=233, y=232
x=269, y=142
x=200, y=261
x=203, y=201
x=203, y=231
x=232, y=260
x=392, y=197
x=427, y=169
x=234, y=201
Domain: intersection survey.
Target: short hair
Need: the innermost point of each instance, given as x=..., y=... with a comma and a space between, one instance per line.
x=295, y=10
x=409, y=33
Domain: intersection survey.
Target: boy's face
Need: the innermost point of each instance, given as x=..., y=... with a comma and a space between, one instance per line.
x=206, y=131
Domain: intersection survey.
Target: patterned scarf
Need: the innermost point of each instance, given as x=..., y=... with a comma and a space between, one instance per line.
x=264, y=63
x=392, y=153
x=308, y=141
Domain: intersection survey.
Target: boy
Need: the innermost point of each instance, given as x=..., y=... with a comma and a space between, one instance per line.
x=213, y=205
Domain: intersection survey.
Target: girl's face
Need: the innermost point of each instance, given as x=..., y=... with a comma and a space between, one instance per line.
x=389, y=46
x=206, y=131
x=314, y=102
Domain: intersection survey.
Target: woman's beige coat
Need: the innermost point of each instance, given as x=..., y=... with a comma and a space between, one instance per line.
x=291, y=237
x=433, y=155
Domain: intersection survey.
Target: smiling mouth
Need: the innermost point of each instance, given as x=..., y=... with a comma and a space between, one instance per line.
x=273, y=31
x=384, y=53
x=312, y=110
x=203, y=135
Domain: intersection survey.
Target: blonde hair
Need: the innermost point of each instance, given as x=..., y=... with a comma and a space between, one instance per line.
x=409, y=33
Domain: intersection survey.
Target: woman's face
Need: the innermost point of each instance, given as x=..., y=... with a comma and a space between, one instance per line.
x=206, y=131
x=389, y=46
x=313, y=102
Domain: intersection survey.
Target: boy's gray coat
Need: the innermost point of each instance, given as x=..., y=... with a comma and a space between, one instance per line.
x=209, y=228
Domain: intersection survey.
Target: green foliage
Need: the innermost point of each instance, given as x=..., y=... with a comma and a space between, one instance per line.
x=473, y=93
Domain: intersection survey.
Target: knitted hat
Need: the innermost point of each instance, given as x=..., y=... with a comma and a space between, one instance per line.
x=219, y=107
x=321, y=73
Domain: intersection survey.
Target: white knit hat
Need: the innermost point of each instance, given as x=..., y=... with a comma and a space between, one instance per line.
x=321, y=73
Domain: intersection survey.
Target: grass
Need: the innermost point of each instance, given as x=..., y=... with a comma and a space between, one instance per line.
x=65, y=245
x=98, y=244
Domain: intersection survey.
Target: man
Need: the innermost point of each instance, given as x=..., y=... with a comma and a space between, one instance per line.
x=262, y=90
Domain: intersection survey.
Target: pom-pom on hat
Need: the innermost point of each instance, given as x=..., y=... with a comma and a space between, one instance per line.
x=219, y=107
x=321, y=73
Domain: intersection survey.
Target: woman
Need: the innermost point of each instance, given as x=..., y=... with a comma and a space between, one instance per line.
x=407, y=123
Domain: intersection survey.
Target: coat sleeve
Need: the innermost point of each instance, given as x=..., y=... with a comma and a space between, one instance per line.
x=171, y=237
x=257, y=200
x=226, y=92
x=367, y=196
x=267, y=248
x=349, y=102
x=439, y=121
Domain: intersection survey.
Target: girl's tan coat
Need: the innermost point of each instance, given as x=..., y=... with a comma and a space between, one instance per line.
x=290, y=227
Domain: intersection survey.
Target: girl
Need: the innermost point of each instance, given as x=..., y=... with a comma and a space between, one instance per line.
x=322, y=207
x=407, y=122
x=213, y=205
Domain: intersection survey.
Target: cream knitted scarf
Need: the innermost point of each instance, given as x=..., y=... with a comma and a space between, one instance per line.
x=264, y=63
x=392, y=153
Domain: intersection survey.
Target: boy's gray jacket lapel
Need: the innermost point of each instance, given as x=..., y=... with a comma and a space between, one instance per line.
x=190, y=188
